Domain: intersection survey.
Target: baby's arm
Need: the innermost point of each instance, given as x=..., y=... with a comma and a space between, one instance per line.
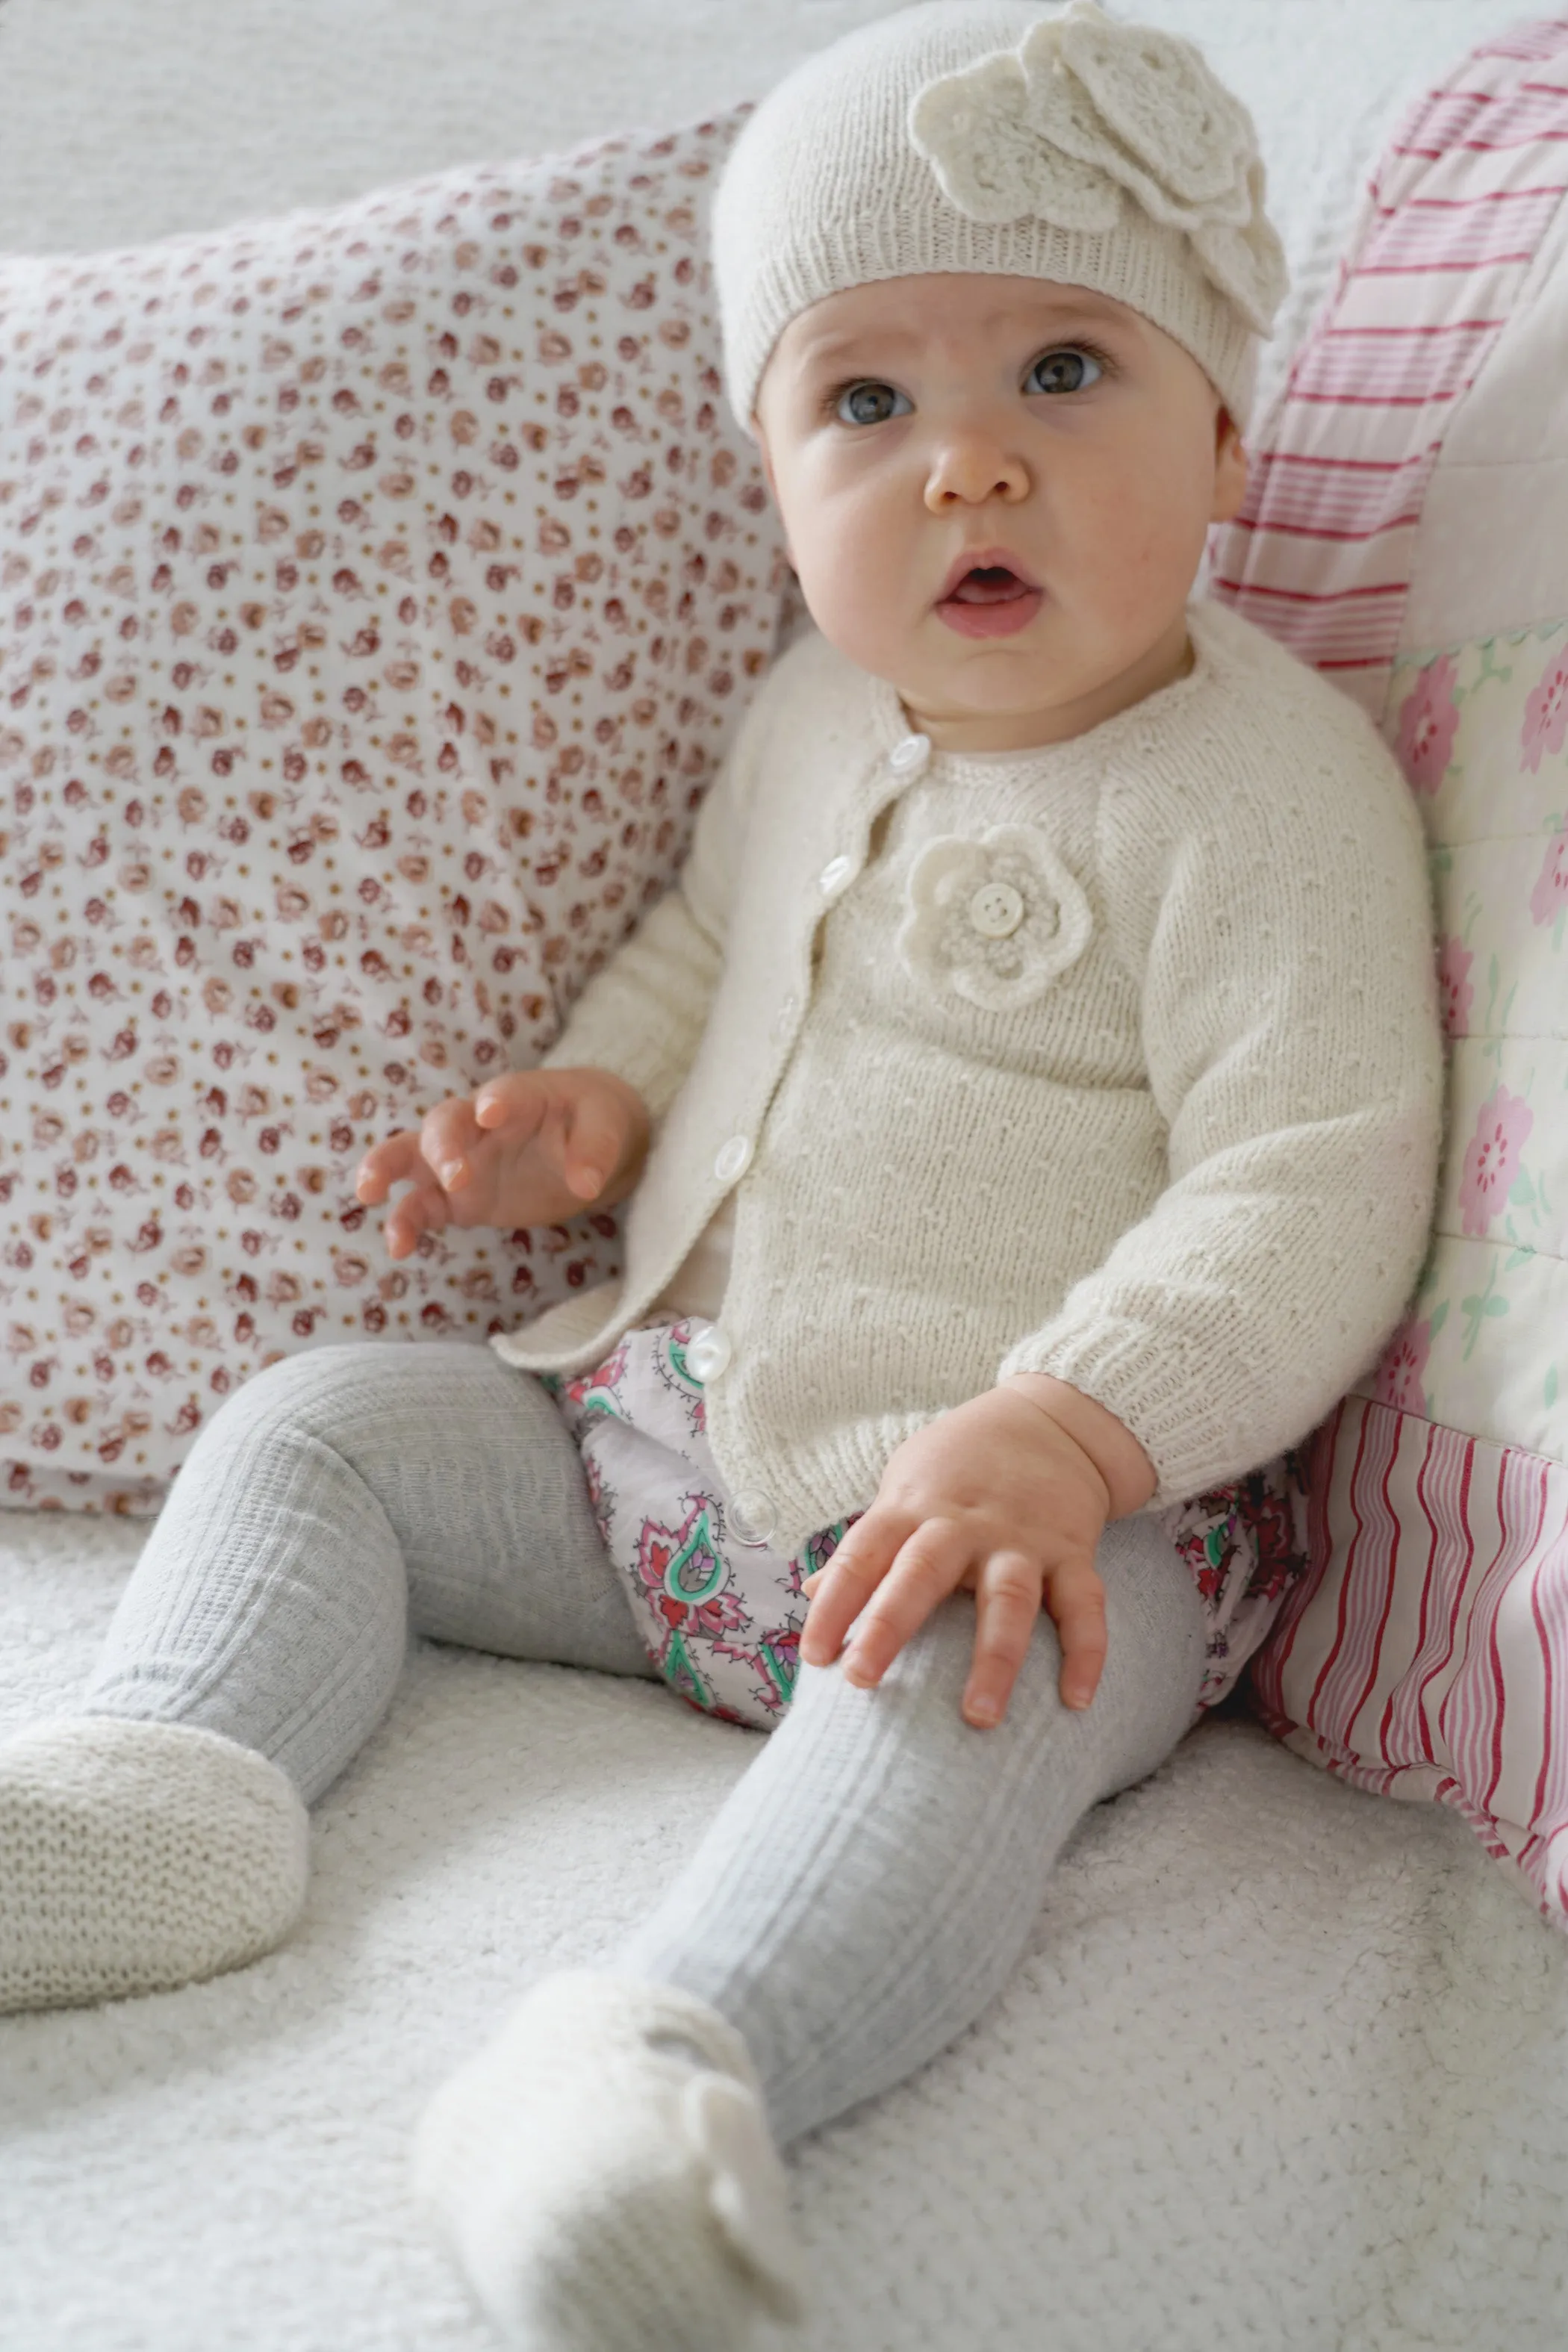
x=537, y=1146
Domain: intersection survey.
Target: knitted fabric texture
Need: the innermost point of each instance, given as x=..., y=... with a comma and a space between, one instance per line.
x=138, y=1856
x=1190, y=1171
x=985, y=135
x=603, y=2172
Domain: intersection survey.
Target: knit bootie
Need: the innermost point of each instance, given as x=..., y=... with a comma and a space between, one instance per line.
x=137, y=1856
x=604, y=2176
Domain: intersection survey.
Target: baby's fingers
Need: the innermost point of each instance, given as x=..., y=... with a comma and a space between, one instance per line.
x=929, y=1567
x=840, y=1590
x=1007, y=1609
x=447, y=1137
x=1076, y=1598
x=423, y=1211
x=394, y=1161
x=594, y=1138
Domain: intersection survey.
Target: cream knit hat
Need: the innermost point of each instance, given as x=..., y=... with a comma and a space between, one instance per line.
x=994, y=135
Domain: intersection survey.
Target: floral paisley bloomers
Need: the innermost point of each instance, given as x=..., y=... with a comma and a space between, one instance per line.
x=721, y=1615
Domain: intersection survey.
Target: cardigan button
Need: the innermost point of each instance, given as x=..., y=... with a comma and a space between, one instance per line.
x=996, y=910
x=734, y=1160
x=909, y=757
x=708, y=1352
x=834, y=876
x=752, y=1517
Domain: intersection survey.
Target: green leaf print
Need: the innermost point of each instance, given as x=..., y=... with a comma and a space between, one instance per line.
x=1524, y=1192
x=1439, y=1317
x=1489, y=669
x=1480, y=1306
x=1549, y=1390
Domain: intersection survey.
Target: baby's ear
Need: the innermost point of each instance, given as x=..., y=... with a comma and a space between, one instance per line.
x=1229, y=467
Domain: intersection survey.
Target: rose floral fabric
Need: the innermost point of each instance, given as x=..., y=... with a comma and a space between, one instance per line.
x=1482, y=1345
x=379, y=590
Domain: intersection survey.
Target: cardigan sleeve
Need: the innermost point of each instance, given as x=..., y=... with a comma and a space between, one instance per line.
x=643, y=1015
x=1292, y=1046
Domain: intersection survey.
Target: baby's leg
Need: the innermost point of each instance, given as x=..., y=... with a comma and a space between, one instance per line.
x=872, y=1882
x=341, y=1498
x=864, y=1894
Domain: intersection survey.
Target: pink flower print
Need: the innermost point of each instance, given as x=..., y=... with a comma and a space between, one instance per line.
x=1550, y=895
x=1492, y=1158
x=1545, y=715
x=1454, y=961
x=1400, y=1373
x=1427, y=725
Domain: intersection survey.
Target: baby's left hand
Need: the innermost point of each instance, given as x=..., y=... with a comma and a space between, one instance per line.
x=996, y=1497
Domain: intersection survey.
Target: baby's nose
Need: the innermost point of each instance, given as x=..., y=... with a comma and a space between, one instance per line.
x=968, y=470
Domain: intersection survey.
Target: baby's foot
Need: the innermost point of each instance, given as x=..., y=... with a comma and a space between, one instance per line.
x=605, y=2175
x=137, y=1856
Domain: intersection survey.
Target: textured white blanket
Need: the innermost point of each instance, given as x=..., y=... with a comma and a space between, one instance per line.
x=1284, y=2066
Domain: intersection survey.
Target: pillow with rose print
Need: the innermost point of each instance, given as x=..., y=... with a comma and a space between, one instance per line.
x=378, y=590
x=1407, y=531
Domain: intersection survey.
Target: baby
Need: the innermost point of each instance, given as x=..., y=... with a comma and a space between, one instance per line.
x=1026, y=1109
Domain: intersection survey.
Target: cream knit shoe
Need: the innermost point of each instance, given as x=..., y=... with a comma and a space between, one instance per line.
x=604, y=2176
x=135, y=1856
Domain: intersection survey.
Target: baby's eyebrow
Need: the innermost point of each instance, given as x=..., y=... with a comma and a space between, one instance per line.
x=1060, y=320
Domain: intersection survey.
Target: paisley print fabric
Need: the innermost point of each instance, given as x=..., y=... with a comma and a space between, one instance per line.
x=721, y=1613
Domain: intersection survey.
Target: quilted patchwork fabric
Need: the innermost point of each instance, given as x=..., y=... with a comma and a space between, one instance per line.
x=378, y=592
x=1425, y=1655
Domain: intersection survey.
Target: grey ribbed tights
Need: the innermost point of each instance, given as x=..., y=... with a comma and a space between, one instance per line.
x=870, y=1884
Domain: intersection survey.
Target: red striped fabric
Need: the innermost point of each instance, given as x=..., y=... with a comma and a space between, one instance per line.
x=1425, y=1653
x=1320, y=552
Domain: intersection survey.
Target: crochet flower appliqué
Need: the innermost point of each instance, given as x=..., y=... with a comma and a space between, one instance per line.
x=1086, y=111
x=996, y=920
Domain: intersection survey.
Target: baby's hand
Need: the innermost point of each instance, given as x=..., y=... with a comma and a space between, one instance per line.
x=532, y=1148
x=998, y=1498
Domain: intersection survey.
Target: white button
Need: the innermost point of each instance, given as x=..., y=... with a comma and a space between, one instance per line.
x=835, y=874
x=784, y=1019
x=996, y=910
x=734, y=1160
x=708, y=1352
x=752, y=1516
x=907, y=757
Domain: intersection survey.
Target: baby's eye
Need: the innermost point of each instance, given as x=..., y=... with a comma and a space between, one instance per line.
x=869, y=404
x=1064, y=370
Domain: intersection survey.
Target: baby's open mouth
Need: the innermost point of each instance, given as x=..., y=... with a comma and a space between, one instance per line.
x=990, y=583
x=990, y=600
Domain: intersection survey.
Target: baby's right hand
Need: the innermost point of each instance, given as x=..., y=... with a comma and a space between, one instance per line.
x=532, y=1148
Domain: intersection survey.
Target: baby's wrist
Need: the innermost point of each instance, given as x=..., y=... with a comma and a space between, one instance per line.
x=1129, y=1476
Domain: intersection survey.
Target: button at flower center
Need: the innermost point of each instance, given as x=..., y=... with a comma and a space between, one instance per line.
x=996, y=910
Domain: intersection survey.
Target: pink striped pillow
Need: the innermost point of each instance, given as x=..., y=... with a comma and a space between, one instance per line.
x=1406, y=531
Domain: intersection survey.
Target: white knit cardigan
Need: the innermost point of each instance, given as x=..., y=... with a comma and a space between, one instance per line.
x=1116, y=1059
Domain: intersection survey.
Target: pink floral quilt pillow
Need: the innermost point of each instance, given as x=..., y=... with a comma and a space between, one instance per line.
x=378, y=592
x=1407, y=531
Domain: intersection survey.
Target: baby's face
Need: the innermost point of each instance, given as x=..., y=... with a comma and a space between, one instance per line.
x=918, y=426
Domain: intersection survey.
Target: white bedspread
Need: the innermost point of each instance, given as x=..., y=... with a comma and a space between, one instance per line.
x=1286, y=2067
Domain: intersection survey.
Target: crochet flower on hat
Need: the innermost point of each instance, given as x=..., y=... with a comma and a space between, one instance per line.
x=996, y=920
x=1087, y=111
